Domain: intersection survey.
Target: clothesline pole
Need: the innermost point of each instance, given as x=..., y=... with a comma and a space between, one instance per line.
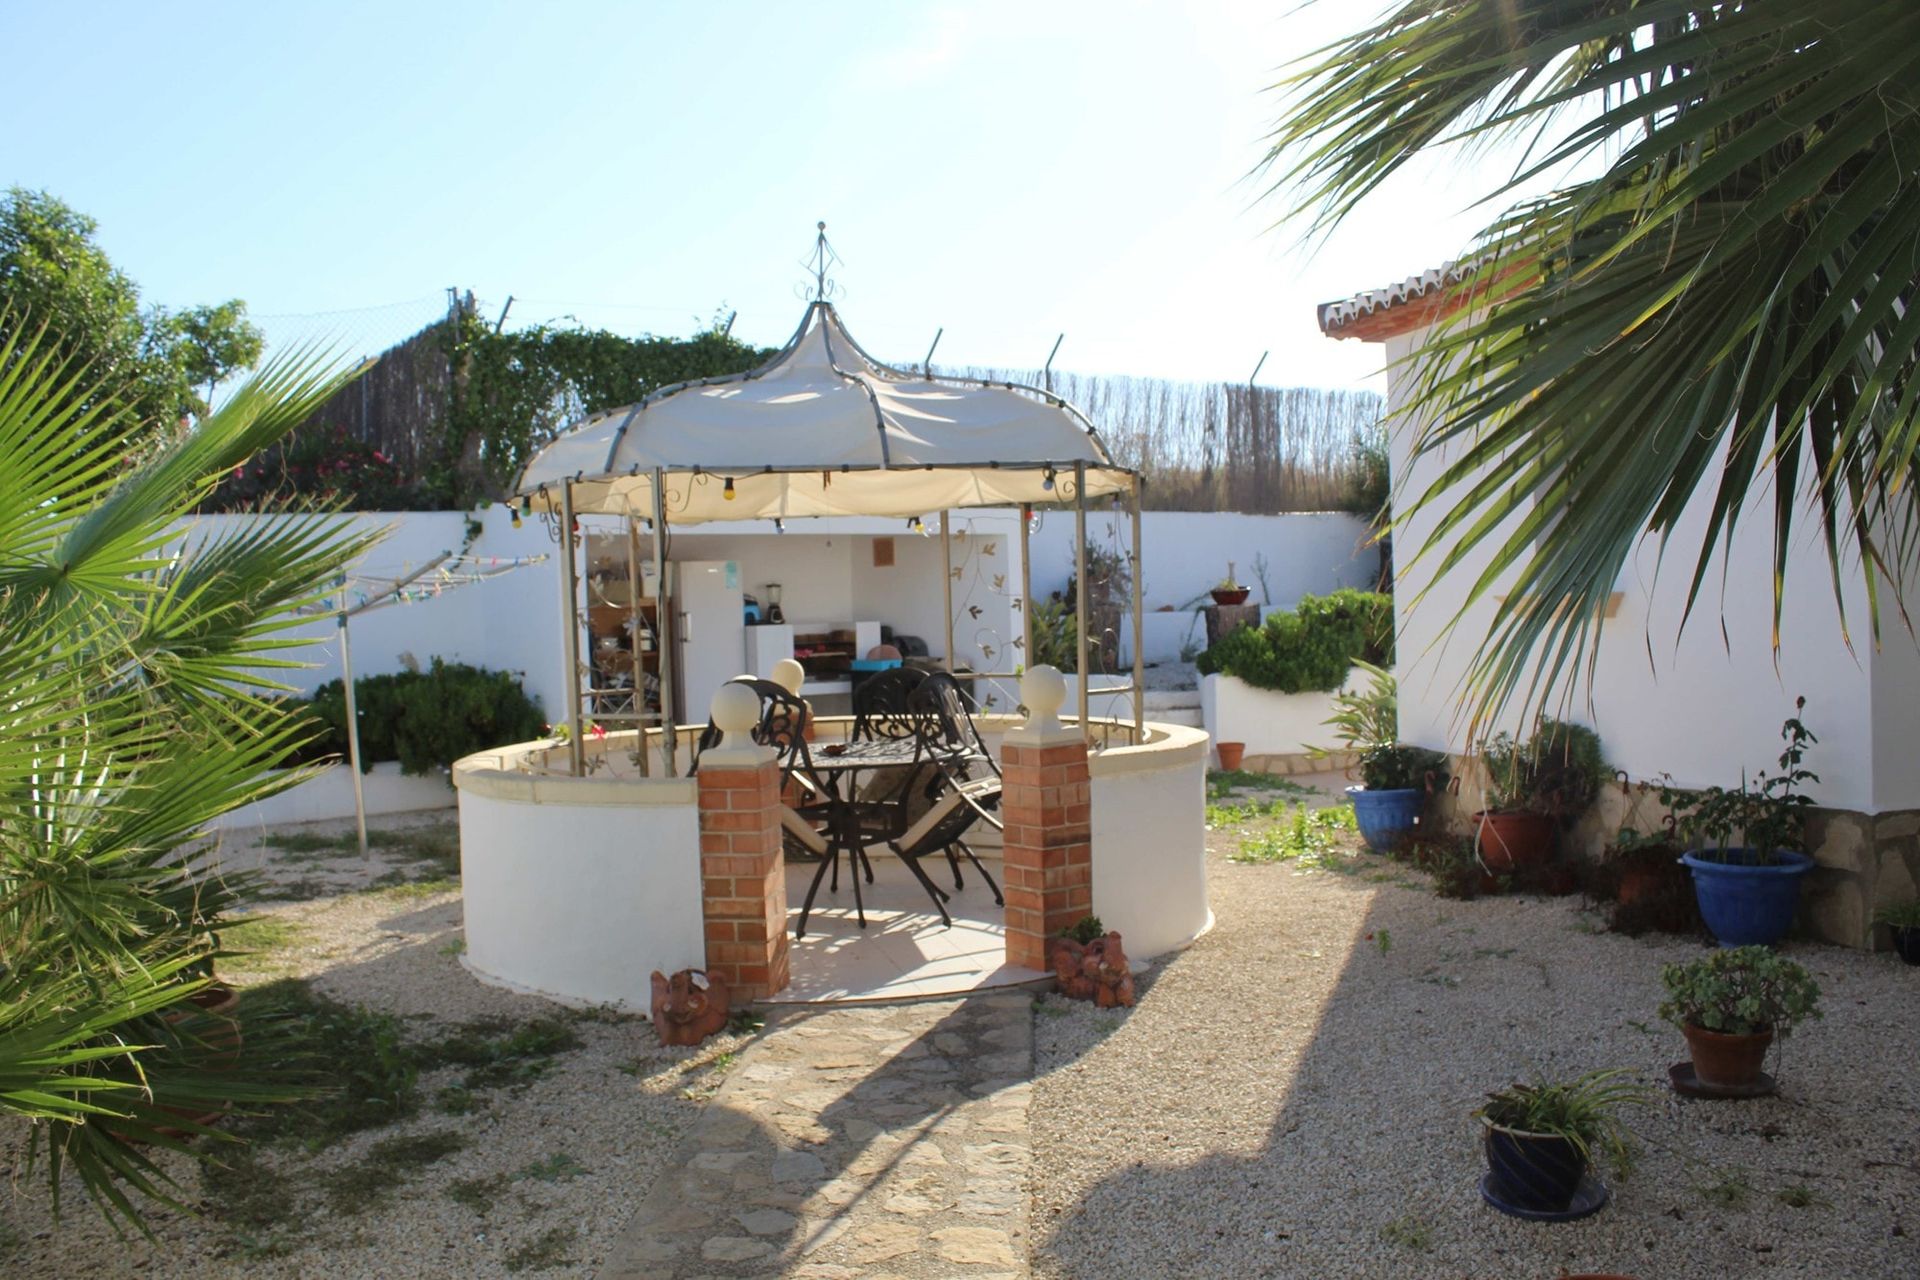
x=353, y=725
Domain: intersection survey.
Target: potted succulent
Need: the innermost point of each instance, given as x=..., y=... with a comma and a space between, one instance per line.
x=1904, y=919
x=1395, y=779
x=1531, y=788
x=1541, y=1138
x=1228, y=591
x=1730, y=1004
x=1750, y=890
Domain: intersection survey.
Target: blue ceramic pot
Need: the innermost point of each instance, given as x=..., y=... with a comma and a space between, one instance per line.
x=1538, y=1171
x=1747, y=905
x=1385, y=817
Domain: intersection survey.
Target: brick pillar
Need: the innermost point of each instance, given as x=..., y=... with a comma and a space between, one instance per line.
x=742, y=874
x=1047, y=807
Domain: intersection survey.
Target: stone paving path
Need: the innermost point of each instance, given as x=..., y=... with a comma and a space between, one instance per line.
x=854, y=1143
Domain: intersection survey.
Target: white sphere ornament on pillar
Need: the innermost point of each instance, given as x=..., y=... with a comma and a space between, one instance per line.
x=789, y=675
x=1043, y=691
x=736, y=709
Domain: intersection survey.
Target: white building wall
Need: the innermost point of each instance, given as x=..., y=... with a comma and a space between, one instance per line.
x=1703, y=706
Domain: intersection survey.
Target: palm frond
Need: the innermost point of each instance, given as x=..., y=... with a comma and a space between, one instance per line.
x=1718, y=311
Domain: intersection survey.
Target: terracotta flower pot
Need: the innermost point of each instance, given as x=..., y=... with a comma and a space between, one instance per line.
x=1231, y=754
x=1511, y=841
x=1724, y=1061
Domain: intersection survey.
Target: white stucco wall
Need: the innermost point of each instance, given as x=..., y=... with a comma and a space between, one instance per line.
x=385, y=790
x=505, y=623
x=582, y=894
x=1701, y=705
x=1268, y=722
x=1149, y=841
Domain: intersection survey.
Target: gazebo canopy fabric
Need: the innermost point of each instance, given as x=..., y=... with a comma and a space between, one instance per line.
x=824, y=429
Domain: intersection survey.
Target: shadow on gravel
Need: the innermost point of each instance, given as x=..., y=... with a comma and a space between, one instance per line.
x=1298, y=1086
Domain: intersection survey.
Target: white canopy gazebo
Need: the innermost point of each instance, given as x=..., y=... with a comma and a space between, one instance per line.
x=824, y=429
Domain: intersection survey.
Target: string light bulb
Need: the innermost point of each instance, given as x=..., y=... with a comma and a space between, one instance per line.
x=514, y=512
x=727, y=491
x=1046, y=481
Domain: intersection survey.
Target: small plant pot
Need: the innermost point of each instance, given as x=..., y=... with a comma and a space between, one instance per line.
x=1231, y=754
x=1385, y=817
x=1724, y=1061
x=1538, y=1171
x=1748, y=905
x=1906, y=940
x=1510, y=842
x=1231, y=597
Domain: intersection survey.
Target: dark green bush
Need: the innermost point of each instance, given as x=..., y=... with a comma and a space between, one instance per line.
x=1310, y=649
x=1391, y=767
x=426, y=720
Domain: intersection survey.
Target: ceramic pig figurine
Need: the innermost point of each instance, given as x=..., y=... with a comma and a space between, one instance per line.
x=1066, y=956
x=688, y=1007
x=1105, y=966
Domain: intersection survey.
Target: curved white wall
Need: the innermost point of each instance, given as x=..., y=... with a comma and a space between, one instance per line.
x=578, y=888
x=1150, y=840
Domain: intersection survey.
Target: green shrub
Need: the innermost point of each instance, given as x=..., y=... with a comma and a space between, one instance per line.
x=426, y=720
x=1739, y=991
x=1310, y=649
x=1392, y=767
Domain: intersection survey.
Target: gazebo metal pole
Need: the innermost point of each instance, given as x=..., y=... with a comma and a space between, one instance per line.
x=1026, y=587
x=1080, y=582
x=669, y=722
x=1139, y=626
x=353, y=724
x=946, y=580
x=637, y=623
x=570, y=585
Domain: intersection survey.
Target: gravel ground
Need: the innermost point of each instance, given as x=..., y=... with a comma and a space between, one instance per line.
x=564, y=1160
x=1291, y=1097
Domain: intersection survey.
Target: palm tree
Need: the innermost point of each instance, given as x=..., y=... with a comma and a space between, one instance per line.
x=1720, y=299
x=135, y=674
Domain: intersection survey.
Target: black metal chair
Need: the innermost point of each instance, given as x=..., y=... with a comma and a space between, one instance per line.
x=880, y=707
x=782, y=726
x=958, y=781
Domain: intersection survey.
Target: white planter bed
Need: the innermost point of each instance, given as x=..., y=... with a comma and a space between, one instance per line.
x=330, y=795
x=1271, y=724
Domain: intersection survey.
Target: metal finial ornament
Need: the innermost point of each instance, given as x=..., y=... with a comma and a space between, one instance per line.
x=823, y=260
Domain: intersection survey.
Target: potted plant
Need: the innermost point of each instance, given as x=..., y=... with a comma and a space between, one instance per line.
x=1394, y=779
x=1541, y=1138
x=1904, y=919
x=1228, y=591
x=1730, y=1004
x=1532, y=787
x=1750, y=890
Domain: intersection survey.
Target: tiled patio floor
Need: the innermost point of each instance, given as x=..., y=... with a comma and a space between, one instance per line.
x=904, y=952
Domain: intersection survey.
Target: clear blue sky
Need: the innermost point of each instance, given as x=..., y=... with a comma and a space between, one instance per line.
x=1009, y=171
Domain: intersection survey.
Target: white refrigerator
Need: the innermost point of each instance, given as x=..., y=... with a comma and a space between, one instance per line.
x=710, y=629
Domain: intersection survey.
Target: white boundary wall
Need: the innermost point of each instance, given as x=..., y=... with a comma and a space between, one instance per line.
x=511, y=622
x=1184, y=553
